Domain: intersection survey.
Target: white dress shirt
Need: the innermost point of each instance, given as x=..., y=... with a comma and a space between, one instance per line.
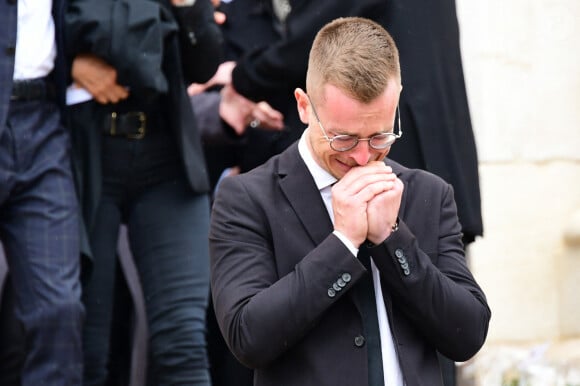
x=324, y=180
x=35, y=44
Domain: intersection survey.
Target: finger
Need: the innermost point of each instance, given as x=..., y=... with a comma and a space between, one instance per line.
x=113, y=94
x=232, y=115
x=267, y=124
x=371, y=168
x=219, y=17
x=265, y=108
x=382, y=164
x=116, y=93
x=398, y=186
x=351, y=205
x=223, y=75
x=266, y=117
x=352, y=183
x=195, y=88
x=358, y=172
x=101, y=99
x=370, y=191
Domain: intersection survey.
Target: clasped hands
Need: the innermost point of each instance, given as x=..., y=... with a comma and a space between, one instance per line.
x=366, y=203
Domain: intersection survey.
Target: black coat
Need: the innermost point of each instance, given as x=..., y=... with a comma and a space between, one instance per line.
x=184, y=60
x=435, y=116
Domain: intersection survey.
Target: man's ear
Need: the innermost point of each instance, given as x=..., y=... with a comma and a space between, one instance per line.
x=302, y=104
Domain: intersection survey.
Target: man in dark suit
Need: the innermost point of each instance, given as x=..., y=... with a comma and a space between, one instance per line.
x=433, y=105
x=295, y=294
x=38, y=207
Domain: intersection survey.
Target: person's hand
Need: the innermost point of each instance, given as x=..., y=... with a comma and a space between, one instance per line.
x=351, y=196
x=266, y=117
x=382, y=211
x=98, y=78
x=222, y=77
x=182, y=3
x=239, y=113
x=235, y=109
x=218, y=16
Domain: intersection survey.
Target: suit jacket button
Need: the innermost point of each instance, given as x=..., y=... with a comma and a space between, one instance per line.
x=346, y=277
x=405, y=266
x=331, y=293
x=359, y=341
x=336, y=287
x=399, y=253
x=341, y=282
x=406, y=271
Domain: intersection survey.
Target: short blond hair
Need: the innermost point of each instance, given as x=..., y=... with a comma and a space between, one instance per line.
x=354, y=54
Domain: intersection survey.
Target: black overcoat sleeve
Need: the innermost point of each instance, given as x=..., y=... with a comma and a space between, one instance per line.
x=201, y=41
x=263, y=74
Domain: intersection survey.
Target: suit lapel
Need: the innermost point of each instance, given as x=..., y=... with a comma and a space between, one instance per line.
x=298, y=186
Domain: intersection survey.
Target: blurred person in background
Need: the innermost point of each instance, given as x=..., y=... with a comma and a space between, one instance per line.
x=139, y=162
x=42, y=315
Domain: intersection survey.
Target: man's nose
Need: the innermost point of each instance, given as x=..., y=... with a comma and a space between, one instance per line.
x=362, y=153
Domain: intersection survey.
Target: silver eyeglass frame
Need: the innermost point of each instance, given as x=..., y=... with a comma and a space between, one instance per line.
x=357, y=139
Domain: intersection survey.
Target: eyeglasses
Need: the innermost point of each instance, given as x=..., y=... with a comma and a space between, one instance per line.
x=345, y=142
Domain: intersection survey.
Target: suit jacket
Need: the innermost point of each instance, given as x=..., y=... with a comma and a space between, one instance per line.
x=8, y=25
x=274, y=257
x=438, y=136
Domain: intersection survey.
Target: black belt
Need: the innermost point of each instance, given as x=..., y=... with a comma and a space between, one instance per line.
x=132, y=124
x=32, y=89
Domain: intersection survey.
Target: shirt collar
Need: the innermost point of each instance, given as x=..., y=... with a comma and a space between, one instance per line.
x=322, y=178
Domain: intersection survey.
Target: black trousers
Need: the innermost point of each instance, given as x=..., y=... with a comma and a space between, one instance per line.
x=144, y=187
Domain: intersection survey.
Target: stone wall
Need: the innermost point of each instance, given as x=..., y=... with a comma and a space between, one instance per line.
x=522, y=68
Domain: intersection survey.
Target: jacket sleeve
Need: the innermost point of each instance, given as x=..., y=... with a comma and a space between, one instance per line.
x=261, y=313
x=429, y=282
x=87, y=26
x=200, y=40
x=263, y=74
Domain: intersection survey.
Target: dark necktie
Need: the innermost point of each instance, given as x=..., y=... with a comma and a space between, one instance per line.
x=366, y=296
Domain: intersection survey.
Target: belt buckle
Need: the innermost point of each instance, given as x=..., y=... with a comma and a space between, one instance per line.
x=140, y=130
x=142, y=123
